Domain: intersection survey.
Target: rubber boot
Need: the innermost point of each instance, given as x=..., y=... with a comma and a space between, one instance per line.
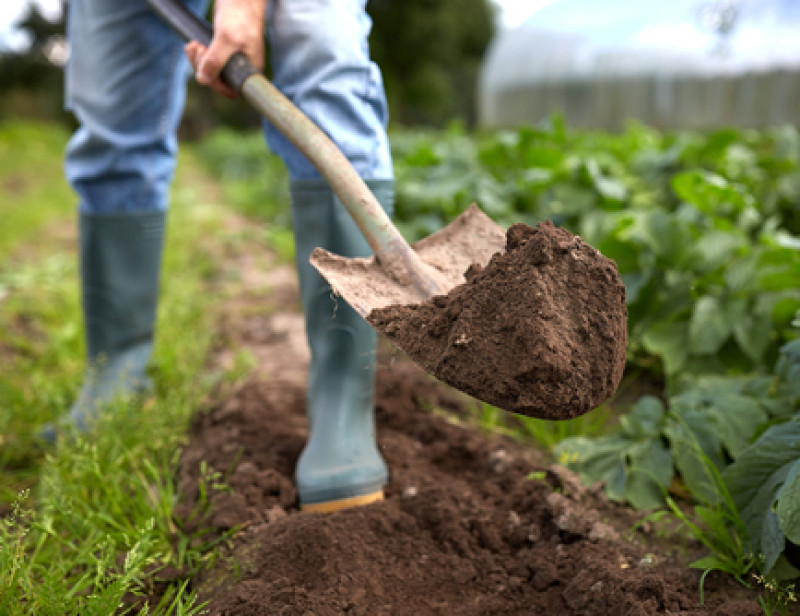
x=340, y=466
x=120, y=260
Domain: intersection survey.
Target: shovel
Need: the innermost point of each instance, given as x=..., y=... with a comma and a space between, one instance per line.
x=398, y=273
x=541, y=331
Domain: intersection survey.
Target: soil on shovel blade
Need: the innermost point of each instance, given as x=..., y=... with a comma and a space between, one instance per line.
x=540, y=331
x=472, y=524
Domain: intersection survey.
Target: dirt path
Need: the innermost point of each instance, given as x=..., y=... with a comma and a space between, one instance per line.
x=472, y=525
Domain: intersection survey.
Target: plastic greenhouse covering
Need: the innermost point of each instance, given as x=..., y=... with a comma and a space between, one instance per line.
x=671, y=63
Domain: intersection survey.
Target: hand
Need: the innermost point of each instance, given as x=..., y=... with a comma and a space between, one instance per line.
x=238, y=26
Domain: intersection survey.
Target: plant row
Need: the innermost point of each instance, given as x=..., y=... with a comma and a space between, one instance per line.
x=705, y=231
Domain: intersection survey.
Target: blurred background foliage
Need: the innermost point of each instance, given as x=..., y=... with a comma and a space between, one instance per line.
x=429, y=51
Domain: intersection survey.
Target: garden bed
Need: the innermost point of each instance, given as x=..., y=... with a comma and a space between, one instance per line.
x=472, y=523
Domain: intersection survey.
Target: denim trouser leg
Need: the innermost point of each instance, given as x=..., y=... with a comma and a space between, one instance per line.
x=320, y=61
x=126, y=84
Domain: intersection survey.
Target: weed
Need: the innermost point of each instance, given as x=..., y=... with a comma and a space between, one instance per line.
x=716, y=522
x=776, y=597
x=549, y=433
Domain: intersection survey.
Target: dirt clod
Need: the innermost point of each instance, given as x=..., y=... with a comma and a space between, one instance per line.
x=540, y=331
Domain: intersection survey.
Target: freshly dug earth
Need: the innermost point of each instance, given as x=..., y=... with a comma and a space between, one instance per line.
x=540, y=331
x=472, y=525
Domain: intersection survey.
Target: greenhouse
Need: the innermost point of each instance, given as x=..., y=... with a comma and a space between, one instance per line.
x=684, y=63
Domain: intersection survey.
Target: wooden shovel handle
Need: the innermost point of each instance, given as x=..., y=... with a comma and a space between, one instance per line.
x=396, y=257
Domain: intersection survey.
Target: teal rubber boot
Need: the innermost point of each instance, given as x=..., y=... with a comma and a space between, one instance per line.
x=340, y=466
x=120, y=260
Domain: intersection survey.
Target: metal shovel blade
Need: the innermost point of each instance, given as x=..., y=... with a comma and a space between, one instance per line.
x=472, y=238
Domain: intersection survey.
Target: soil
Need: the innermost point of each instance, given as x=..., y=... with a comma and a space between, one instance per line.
x=541, y=330
x=472, y=524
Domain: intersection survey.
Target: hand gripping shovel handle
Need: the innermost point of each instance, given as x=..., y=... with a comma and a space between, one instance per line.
x=392, y=251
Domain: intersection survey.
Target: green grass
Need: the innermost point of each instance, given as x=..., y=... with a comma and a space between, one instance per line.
x=33, y=190
x=544, y=433
x=85, y=524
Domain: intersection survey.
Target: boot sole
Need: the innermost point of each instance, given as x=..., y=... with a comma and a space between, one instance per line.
x=343, y=503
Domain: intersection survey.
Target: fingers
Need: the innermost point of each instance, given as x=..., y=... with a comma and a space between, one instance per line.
x=238, y=27
x=207, y=74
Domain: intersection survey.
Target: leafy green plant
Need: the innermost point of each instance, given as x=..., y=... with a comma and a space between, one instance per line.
x=701, y=228
x=765, y=483
x=653, y=443
x=716, y=522
x=777, y=597
x=736, y=444
x=634, y=461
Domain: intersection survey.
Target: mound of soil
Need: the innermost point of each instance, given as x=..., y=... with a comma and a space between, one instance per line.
x=540, y=331
x=471, y=525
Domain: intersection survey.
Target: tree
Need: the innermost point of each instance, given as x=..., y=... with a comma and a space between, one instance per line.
x=429, y=52
x=32, y=80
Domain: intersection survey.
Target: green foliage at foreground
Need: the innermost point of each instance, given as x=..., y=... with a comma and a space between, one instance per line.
x=90, y=522
x=733, y=441
x=704, y=230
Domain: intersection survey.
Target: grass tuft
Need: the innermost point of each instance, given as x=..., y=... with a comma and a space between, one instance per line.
x=86, y=524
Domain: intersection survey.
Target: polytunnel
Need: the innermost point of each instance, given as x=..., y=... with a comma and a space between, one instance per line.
x=668, y=63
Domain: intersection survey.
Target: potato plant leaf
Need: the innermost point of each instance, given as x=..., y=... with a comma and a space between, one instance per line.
x=668, y=340
x=709, y=326
x=765, y=484
x=634, y=463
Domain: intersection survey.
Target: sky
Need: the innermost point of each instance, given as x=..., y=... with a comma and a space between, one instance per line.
x=12, y=10
x=766, y=35
x=515, y=12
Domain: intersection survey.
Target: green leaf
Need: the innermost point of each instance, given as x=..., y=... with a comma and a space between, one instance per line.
x=688, y=445
x=645, y=419
x=715, y=248
x=720, y=415
x=709, y=562
x=666, y=235
x=772, y=540
x=751, y=332
x=708, y=327
x=711, y=193
x=669, y=340
x=788, y=509
x=650, y=474
x=635, y=465
x=763, y=480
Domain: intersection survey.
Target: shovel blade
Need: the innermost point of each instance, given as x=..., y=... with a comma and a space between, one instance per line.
x=472, y=238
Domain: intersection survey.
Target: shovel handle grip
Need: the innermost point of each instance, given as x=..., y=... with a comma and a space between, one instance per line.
x=192, y=27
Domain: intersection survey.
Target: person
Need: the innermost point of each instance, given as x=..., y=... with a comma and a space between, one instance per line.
x=126, y=85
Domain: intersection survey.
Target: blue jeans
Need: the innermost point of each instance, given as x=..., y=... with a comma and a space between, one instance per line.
x=126, y=84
